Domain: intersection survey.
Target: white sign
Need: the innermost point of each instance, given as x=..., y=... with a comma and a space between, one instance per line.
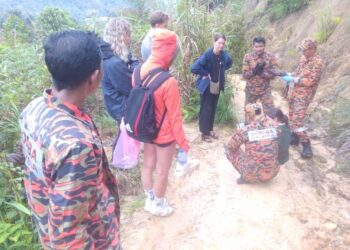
x=262, y=134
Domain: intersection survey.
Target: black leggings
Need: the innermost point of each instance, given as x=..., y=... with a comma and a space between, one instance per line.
x=207, y=111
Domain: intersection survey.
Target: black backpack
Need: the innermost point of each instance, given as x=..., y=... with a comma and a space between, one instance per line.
x=140, y=121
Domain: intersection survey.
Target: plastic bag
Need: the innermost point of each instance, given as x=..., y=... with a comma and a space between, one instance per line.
x=126, y=151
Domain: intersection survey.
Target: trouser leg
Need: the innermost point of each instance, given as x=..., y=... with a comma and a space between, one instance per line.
x=207, y=112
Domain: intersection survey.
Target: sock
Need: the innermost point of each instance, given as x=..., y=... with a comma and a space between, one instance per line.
x=159, y=201
x=149, y=193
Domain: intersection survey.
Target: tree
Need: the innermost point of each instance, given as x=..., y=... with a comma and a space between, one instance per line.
x=15, y=30
x=53, y=19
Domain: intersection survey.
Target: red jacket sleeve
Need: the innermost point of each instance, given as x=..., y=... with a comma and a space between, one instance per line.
x=173, y=104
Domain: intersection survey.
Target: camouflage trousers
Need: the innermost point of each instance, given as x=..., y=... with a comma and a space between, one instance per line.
x=299, y=101
x=239, y=162
x=265, y=99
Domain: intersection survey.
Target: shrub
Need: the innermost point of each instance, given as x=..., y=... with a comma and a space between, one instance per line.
x=53, y=19
x=280, y=8
x=16, y=228
x=15, y=30
x=195, y=26
x=23, y=76
x=326, y=26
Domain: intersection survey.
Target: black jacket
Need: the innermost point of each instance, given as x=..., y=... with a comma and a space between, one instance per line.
x=116, y=81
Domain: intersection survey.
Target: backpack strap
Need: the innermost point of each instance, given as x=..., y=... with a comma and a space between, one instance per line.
x=149, y=76
x=137, y=75
x=155, y=84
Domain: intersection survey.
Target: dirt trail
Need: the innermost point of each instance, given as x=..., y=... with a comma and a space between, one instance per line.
x=213, y=212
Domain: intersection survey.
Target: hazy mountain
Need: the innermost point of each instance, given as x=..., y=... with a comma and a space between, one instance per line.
x=77, y=8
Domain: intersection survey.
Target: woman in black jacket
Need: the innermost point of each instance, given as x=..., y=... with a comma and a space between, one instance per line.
x=118, y=66
x=211, y=67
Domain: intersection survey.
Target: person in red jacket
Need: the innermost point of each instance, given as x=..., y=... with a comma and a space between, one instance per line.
x=159, y=154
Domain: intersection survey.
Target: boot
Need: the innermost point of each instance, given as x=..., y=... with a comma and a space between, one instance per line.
x=295, y=140
x=307, y=151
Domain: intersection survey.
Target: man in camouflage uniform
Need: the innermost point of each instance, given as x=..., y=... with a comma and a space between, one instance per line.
x=259, y=67
x=259, y=161
x=70, y=188
x=306, y=80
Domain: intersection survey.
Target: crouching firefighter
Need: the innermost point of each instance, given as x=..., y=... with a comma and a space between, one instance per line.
x=259, y=161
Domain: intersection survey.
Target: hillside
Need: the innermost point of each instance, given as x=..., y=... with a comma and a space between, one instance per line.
x=329, y=112
x=77, y=8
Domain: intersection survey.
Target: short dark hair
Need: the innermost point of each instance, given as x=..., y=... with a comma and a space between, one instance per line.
x=158, y=17
x=71, y=57
x=259, y=39
x=217, y=36
x=277, y=113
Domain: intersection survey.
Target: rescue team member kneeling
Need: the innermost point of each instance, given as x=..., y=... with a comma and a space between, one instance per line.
x=259, y=162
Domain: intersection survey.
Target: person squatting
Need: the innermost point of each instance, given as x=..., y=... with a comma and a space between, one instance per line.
x=69, y=185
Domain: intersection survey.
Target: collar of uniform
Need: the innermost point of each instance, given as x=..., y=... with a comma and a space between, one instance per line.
x=66, y=107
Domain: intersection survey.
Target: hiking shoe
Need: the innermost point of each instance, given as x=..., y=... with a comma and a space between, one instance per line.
x=307, y=151
x=148, y=204
x=184, y=169
x=241, y=181
x=207, y=138
x=295, y=140
x=161, y=208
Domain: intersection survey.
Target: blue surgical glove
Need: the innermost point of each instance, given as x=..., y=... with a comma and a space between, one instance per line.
x=182, y=157
x=287, y=78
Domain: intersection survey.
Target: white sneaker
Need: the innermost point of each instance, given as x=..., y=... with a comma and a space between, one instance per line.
x=182, y=170
x=161, y=208
x=148, y=204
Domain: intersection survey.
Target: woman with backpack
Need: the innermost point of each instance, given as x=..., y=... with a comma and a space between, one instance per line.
x=118, y=66
x=211, y=67
x=159, y=152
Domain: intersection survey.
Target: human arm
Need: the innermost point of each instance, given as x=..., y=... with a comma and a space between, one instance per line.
x=173, y=105
x=311, y=76
x=270, y=69
x=71, y=197
x=199, y=67
x=228, y=61
x=247, y=72
x=235, y=141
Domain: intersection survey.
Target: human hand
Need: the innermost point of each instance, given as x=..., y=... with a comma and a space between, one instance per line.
x=296, y=80
x=258, y=70
x=287, y=78
x=206, y=77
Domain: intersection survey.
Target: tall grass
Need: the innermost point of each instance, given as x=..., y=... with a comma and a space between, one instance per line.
x=195, y=26
x=277, y=9
x=340, y=129
x=326, y=25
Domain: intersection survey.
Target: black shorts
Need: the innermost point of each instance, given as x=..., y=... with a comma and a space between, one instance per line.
x=163, y=145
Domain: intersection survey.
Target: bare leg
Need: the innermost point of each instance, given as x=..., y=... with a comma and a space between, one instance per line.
x=149, y=164
x=164, y=159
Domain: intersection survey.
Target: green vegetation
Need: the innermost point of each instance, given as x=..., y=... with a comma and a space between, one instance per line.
x=16, y=229
x=280, y=8
x=54, y=20
x=326, y=26
x=340, y=129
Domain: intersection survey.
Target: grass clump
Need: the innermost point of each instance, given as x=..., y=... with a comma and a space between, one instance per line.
x=326, y=26
x=280, y=8
x=340, y=129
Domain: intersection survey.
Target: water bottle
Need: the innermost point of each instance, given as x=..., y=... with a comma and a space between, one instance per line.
x=182, y=157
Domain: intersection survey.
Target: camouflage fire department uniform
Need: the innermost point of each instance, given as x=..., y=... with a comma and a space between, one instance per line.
x=258, y=86
x=309, y=70
x=259, y=160
x=70, y=189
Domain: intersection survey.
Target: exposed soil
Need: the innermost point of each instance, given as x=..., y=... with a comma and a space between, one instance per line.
x=299, y=209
